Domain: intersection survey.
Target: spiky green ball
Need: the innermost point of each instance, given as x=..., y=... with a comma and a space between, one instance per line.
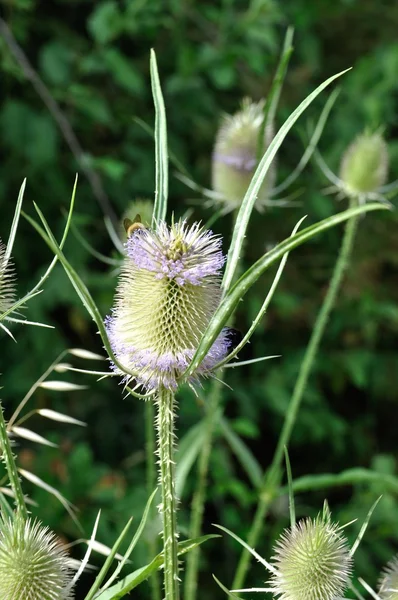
x=33, y=565
x=235, y=155
x=312, y=562
x=389, y=581
x=364, y=167
x=7, y=281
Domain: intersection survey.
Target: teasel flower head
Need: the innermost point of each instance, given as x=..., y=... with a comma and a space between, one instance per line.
x=235, y=155
x=7, y=281
x=312, y=561
x=33, y=564
x=388, y=587
x=364, y=167
x=168, y=290
x=363, y=171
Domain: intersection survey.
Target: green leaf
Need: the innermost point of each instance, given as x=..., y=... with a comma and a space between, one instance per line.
x=100, y=577
x=348, y=477
x=161, y=156
x=125, y=585
x=189, y=448
x=106, y=22
x=247, y=205
x=243, y=454
x=234, y=296
x=229, y=594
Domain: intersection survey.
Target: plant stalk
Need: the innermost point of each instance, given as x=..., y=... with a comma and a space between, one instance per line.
x=273, y=475
x=9, y=461
x=199, y=497
x=165, y=404
x=150, y=447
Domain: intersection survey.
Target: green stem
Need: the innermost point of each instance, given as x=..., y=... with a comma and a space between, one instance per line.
x=165, y=427
x=273, y=475
x=199, y=497
x=11, y=467
x=151, y=484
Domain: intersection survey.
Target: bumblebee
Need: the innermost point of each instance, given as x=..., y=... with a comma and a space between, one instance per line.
x=132, y=226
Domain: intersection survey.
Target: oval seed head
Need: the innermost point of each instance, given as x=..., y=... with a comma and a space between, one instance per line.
x=7, y=281
x=32, y=562
x=168, y=290
x=364, y=167
x=235, y=155
x=312, y=561
x=389, y=581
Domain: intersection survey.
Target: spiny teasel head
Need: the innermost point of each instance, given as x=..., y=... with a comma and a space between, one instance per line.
x=168, y=290
x=33, y=564
x=7, y=281
x=235, y=155
x=388, y=586
x=312, y=561
x=364, y=166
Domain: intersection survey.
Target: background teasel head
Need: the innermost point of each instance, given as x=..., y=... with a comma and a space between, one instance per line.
x=363, y=170
x=312, y=561
x=7, y=281
x=168, y=290
x=388, y=586
x=364, y=167
x=235, y=155
x=32, y=562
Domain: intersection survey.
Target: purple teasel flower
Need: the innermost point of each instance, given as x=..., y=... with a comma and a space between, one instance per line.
x=168, y=290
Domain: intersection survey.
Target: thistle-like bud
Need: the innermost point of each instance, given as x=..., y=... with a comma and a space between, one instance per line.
x=364, y=167
x=32, y=562
x=312, y=561
x=235, y=155
x=7, y=281
x=389, y=581
x=168, y=290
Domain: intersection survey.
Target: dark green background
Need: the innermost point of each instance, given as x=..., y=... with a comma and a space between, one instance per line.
x=94, y=59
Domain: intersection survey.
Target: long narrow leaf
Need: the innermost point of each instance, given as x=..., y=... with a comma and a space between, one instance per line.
x=36, y=290
x=234, y=296
x=246, y=458
x=133, y=542
x=161, y=156
x=125, y=585
x=257, y=180
x=106, y=566
x=14, y=224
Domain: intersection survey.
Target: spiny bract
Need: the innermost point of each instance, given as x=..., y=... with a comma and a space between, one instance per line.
x=33, y=565
x=312, y=561
x=168, y=290
x=389, y=581
x=7, y=281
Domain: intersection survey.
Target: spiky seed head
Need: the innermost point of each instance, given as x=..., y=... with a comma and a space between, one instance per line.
x=388, y=589
x=33, y=564
x=235, y=154
x=7, y=281
x=364, y=167
x=168, y=290
x=312, y=561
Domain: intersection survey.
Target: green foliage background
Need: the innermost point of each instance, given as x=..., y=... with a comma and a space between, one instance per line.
x=94, y=58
